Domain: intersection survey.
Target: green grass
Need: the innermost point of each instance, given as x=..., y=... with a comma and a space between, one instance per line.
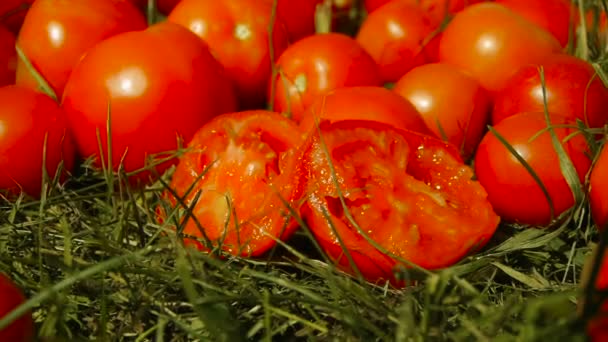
x=96, y=264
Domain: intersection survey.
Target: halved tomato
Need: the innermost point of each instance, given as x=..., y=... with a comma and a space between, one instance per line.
x=409, y=193
x=240, y=169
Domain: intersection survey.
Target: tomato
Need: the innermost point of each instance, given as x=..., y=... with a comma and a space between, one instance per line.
x=8, y=57
x=153, y=95
x=22, y=329
x=237, y=34
x=12, y=13
x=317, y=64
x=298, y=17
x=394, y=35
x=437, y=10
x=241, y=167
x=491, y=42
x=26, y=117
x=513, y=192
x=555, y=16
x=572, y=86
x=598, y=191
x=409, y=193
x=56, y=34
x=364, y=103
x=453, y=104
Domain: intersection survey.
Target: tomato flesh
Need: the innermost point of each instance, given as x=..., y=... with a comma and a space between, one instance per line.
x=409, y=193
x=247, y=163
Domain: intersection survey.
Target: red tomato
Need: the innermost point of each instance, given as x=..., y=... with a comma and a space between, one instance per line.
x=8, y=57
x=555, y=16
x=25, y=118
x=394, y=35
x=317, y=64
x=491, y=42
x=163, y=6
x=237, y=34
x=453, y=104
x=572, y=86
x=56, y=34
x=364, y=103
x=513, y=192
x=240, y=169
x=298, y=17
x=410, y=193
x=437, y=10
x=598, y=192
x=154, y=95
x=22, y=329
x=12, y=13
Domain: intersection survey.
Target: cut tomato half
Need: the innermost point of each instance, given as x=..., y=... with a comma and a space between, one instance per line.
x=390, y=196
x=235, y=179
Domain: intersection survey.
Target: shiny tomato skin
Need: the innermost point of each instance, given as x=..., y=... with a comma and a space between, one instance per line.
x=12, y=13
x=598, y=191
x=491, y=42
x=572, y=87
x=22, y=329
x=25, y=118
x=514, y=194
x=317, y=64
x=556, y=16
x=237, y=34
x=454, y=105
x=8, y=57
x=410, y=193
x=364, y=103
x=155, y=95
x=247, y=163
x=56, y=34
x=394, y=35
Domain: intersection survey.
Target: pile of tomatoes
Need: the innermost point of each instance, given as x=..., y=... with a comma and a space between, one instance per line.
x=286, y=127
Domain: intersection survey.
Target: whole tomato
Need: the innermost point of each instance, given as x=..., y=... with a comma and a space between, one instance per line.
x=512, y=190
x=436, y=10
x=153, y=95
x=395, y=35
x=598, y=191
x=22, y=329
x=556, y=16
x=27, y=118
x=237, y=34
x=12, y=13
x=453, y=104
x=491, y=42
x=8, y=57
x=239, y=171
x=364, y=103
x=409, y=193
x=572, y=87
x=317, y=64
x=56, y=34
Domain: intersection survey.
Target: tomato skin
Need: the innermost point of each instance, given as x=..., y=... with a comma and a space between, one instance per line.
x=514, y=194
x=8, y=57
x=300, y=79
x=435, y=9
x=556, y=16
x=25, y=118
x=394, y=35
x=298, y=17
x=13, y=12
x=572, y=86
x=155, y=94
x=452, y=103
x=250, y=158
x=364, y=103
x=237, y=34
x=598, y=190
x=56, y=34
x=417, y=183
x=22, y=329
x=491, y=42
